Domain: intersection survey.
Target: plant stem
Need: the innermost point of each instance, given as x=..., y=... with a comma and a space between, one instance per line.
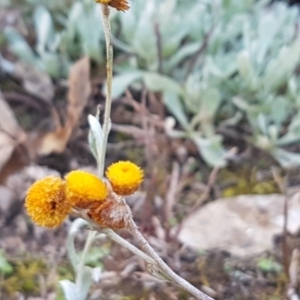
x=109, y=71
x=115, y=237
x=88, y=243
x=162, y=265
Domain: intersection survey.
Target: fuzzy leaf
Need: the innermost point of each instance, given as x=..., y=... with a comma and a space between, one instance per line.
x=211, y=150
x=74, y=229
x=95, y=135
x=121, y=82
x=44, y=27
x=173, y=103
x=159, y=83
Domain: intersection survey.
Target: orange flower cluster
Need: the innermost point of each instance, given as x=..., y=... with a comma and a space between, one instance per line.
x=51, y=199
x=118, y=4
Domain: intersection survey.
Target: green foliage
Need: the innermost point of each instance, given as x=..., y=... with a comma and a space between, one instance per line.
x=55, y=49
x=246, y=181
x=5, y=266
x=268, y=265
x=23, y=276
x=238, y=59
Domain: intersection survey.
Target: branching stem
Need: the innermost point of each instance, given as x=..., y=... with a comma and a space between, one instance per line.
x=165, y=269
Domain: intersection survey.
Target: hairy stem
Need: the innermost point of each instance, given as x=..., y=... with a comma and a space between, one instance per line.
x=88, y=243
x=118, y=239
x=109, y=71
x=162, y=265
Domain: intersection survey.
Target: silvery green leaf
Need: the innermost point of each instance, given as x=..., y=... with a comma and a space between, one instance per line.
x=262, y=123
x=292, y=87
x=84, y=22
x=293, y=132
x=211, y=68
x=95, y=135
x=279, y=69
x=174, y=105
x=131, y=18
x=273, y=133
x=234, y=120
x=210, y=104
x=211, y=150
x=160, y=83
x=267, y=29
x=244, y=64
x=96, y=274
x=20, y=47
x=241, y=103
x=246, y=70
x=176, y=134
x=43, y=27
x=182, y=53
x=193, y=88
x=91, y=32
x=6, y=66
x=74, y=229
x=74, y=292
x=87, y=280
x=280, y=110
x=121, y=82
x=70, y=289
x=263, y=142
x=169, y=24
x=144, y=41
x=285, y=158
x=56, y=65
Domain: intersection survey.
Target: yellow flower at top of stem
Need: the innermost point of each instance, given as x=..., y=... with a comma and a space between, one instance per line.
x=125, y=177
x=84, y=188
x=46, y=203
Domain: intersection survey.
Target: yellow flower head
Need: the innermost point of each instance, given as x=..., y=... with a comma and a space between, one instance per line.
x=125, y=177
x=84, y=188
x=118, y=4
x=46, y=203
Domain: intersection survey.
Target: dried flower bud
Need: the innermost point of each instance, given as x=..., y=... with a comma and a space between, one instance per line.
x=110, y=214
x=121, y=5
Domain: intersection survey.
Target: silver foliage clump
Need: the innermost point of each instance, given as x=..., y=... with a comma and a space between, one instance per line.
x=220, y=61
x=55, y=49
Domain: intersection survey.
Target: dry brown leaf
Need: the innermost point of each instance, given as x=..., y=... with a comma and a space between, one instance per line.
x=8, y=122
x=79, y=92
x=11, y=135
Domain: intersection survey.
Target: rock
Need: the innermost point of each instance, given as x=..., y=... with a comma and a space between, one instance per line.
x=243, y=225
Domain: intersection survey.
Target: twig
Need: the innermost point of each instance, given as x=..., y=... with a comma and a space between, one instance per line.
x=293, y=274
x=109, y=70
x=115, y=237
x=162, y=265
x=155, y=264
x=171, y=193
x=23, y=99
x=285, y=251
